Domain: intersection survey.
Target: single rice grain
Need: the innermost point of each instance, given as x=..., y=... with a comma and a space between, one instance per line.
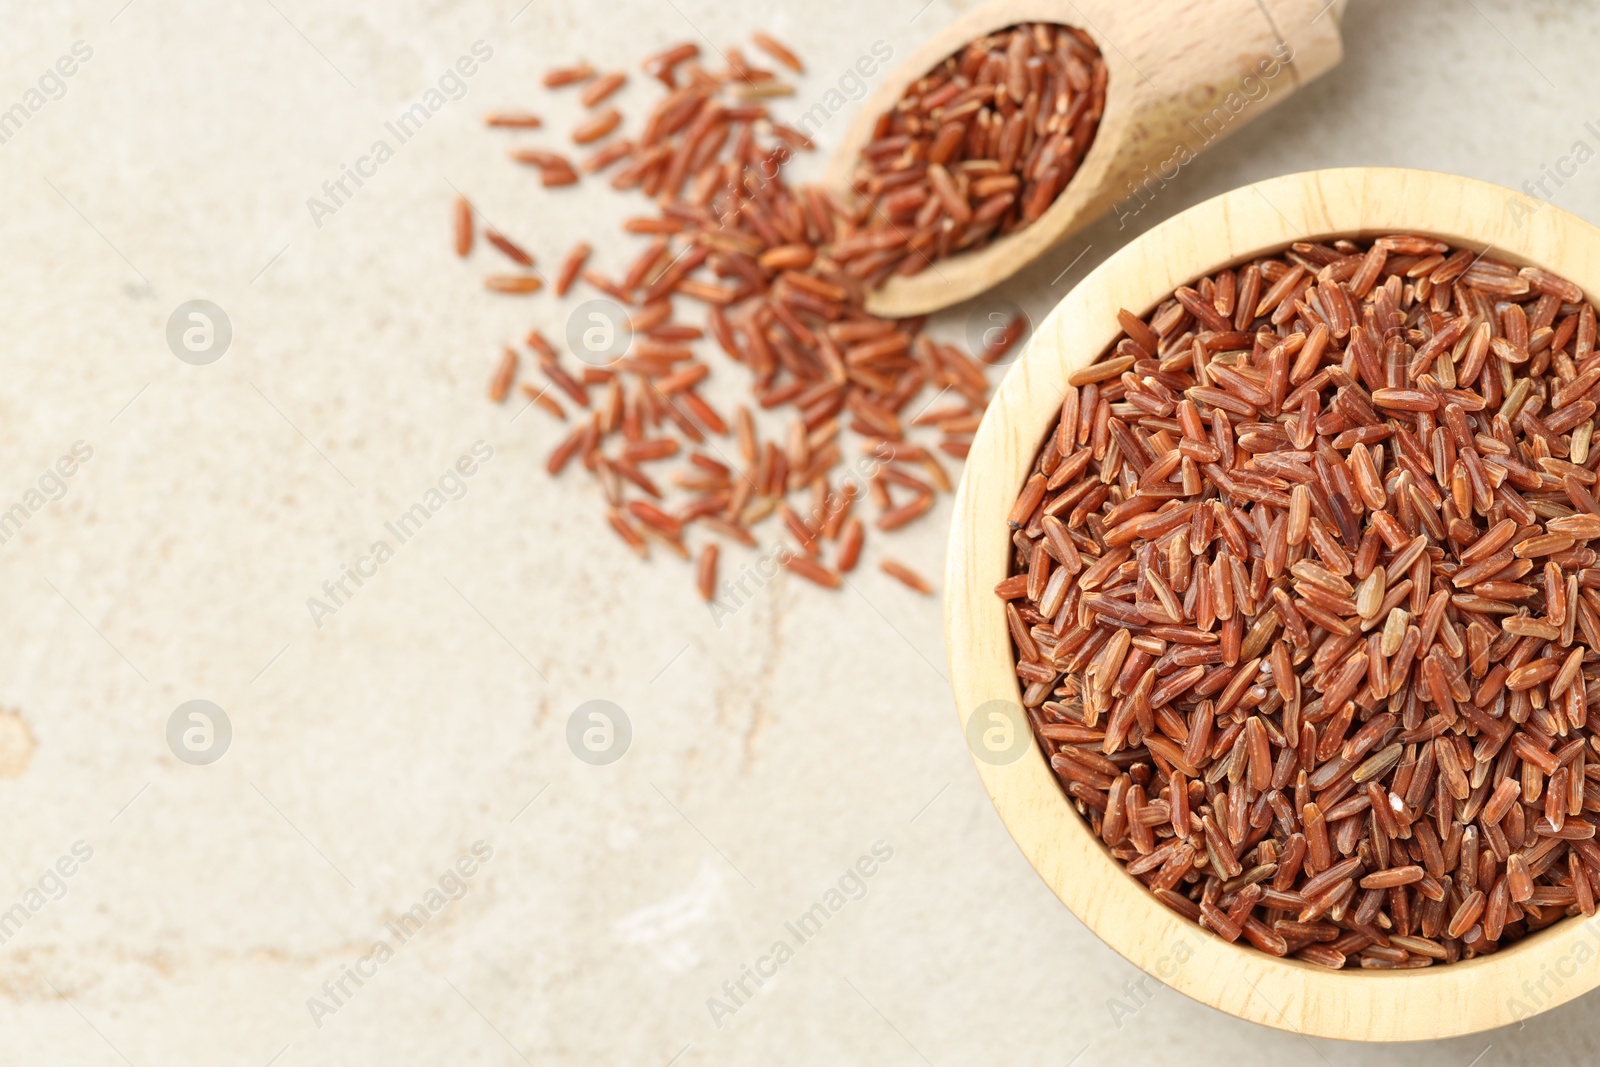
x=902, y=573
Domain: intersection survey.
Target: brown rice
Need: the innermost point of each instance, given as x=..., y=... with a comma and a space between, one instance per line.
x=770, y=266
x=1304, y=601
x=978, y=147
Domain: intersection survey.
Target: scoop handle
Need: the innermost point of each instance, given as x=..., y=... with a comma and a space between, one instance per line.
x=1181, y=75
x=1194, y=73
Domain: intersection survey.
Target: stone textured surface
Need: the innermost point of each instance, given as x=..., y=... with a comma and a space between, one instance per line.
x=368, y=754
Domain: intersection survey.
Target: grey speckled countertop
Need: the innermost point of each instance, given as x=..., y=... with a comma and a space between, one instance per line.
x=427, y=717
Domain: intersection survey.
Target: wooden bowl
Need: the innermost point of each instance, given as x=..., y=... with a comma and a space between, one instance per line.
x=1530, y=976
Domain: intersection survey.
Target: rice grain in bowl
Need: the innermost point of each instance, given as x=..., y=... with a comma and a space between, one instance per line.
x=1237, y=228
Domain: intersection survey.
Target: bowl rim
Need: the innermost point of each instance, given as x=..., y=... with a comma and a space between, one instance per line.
x=1534, y=975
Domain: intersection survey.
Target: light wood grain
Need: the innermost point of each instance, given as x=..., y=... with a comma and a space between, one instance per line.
x=1169, y=67
x=1557, y=964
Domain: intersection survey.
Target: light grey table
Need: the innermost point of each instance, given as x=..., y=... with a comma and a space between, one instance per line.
x=207, y=905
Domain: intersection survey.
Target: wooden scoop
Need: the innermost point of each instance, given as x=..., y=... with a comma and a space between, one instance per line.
x=1181, y=75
